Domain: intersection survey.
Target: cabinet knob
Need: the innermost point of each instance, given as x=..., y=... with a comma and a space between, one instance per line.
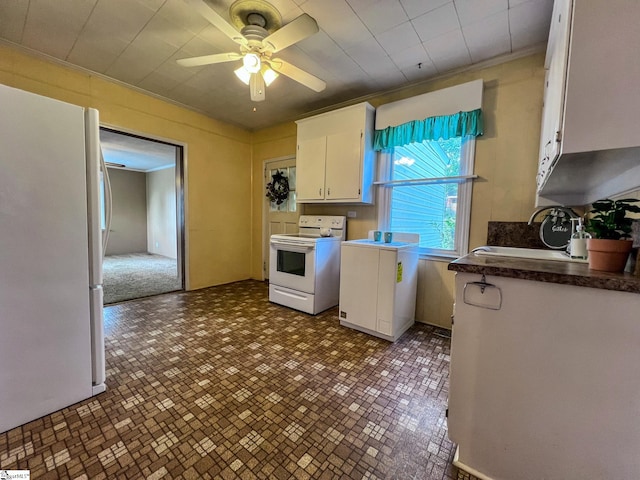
x=319, y=192
x=328, y=192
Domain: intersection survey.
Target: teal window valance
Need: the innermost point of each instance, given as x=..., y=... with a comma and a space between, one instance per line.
x=443, y=127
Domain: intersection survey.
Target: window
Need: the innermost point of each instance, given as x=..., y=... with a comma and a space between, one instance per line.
x=289, y=205
x=426, y=148
x=426, y=189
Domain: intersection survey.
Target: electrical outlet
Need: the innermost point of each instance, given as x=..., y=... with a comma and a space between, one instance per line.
x=351, y=214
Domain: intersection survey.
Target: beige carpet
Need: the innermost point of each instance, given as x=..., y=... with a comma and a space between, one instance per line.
x=138, y=275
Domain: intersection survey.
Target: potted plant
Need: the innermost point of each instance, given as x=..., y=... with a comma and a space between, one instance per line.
x=610, y=228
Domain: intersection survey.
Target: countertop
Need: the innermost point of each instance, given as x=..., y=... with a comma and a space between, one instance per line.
x=567, y=273
x=364, y=242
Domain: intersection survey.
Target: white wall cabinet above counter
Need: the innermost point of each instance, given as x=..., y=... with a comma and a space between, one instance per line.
x=590, y=141
x=335, y=158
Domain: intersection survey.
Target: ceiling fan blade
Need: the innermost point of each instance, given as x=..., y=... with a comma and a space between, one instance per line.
x=217, y=20
x=300, y=76
x=209, y=59
x=299, y=29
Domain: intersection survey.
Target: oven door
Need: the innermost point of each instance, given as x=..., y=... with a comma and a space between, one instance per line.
x=292, y=264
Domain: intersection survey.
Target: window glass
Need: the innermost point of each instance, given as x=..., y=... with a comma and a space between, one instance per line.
x=424, y=193
x=289, y=205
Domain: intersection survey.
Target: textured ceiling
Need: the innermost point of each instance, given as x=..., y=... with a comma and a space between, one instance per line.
x=131, y=152
x=364, y=47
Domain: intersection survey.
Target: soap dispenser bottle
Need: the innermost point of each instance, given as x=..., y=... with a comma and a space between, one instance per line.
x=578, y=244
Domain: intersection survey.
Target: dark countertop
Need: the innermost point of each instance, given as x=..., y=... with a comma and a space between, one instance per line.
x=567, y=273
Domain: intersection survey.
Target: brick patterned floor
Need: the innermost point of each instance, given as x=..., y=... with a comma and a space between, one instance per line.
x=220, y=383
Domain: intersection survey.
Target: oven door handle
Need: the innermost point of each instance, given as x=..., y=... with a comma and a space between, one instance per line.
x=292, y=246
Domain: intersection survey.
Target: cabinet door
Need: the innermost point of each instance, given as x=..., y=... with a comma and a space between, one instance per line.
x=310, y=163
x=554, y=91
x=359, y=286
x=344, y=165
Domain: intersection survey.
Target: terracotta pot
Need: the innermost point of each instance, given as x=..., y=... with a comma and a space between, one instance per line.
x=608, y=255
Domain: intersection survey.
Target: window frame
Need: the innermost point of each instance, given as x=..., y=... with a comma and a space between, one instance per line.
x=463, y=207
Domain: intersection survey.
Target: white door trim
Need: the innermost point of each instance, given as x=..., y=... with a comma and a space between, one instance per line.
x=182, y=171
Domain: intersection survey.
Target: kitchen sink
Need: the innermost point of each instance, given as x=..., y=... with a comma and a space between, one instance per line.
x=528, y=253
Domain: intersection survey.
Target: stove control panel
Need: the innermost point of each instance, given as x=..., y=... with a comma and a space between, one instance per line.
x=322, y=221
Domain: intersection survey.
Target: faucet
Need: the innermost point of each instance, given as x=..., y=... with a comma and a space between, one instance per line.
x=555, y=210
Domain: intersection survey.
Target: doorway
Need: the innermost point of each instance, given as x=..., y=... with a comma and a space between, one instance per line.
x=144, y=253
x=281, y=218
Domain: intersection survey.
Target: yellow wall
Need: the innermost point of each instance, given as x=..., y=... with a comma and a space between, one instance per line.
x=506, y=161
x=224, y=186
x=218, y=159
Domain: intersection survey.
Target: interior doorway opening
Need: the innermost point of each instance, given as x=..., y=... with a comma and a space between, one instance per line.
x=144, y=254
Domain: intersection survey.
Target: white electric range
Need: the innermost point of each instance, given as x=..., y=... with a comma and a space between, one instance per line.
x=304, y=267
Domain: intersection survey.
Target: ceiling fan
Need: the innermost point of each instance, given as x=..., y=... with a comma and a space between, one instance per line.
x=257, y=28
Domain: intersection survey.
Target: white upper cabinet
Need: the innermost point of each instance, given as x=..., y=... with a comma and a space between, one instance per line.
x=335, y=157
x=555, y=75
x=590, y=141
x=310, y=160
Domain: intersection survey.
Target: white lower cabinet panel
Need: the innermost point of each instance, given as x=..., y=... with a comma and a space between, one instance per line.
x=547, y=386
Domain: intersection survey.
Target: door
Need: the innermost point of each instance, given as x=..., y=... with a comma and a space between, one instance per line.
x=293, y=264
x=555, y=78
x=311, y=159
x=45, y=339
x=281, y=218
x=343, y=167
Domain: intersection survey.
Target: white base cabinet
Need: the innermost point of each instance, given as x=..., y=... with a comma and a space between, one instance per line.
x=378, y=287
x=547, y=386
x=335, y=157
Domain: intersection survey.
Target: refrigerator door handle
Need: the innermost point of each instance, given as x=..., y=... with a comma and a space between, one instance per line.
x=97, y=340
x=92, y=154
x=108, y=204
x=93, y=157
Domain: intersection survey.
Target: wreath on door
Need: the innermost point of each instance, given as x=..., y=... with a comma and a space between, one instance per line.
x=278, y=188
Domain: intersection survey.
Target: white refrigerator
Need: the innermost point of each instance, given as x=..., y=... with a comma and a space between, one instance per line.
x=51, y=323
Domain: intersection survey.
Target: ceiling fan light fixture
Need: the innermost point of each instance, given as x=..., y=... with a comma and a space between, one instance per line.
x=260, y=35
x=268, y=74
x=251, y=62
x=243, y=74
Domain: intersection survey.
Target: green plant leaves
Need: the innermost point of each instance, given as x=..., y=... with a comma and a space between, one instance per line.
x=609, y=220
